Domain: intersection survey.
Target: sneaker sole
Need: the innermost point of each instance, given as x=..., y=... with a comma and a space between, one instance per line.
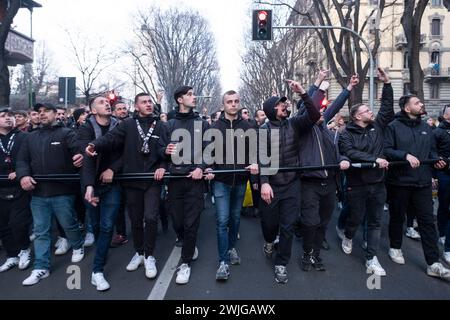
x=151, y=276
x=281, y=281
x=397, y=262
x=222, y=278
x=32, y=284
x=101, y=290
x=370, y=271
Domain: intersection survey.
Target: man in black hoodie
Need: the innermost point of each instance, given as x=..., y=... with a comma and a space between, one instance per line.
x=142, y=138
x=101, y=193
x=410, y=138
x=442, y=137
x=362, y=141
x=15, y=214
x=281, y=192
x=52, y=149
x=229, y=189
x=186, y=194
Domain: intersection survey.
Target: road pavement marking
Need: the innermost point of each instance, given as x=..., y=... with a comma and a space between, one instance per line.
x=165, y=277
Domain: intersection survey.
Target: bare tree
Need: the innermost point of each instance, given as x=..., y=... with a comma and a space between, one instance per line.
x=9, y=8
x=175, y=48
x=411, y=22
x=90, y=58
x=346, y=54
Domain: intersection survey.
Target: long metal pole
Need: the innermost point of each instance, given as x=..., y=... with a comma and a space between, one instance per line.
x=66, y=91
x=371, y=61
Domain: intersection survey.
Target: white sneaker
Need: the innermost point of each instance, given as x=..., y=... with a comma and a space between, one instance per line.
x=78, y=255
x=347, y=245
x=413, y=234
x=24, y=259
x=438, y=270
x=183, y=274
x=32, y=237
x=442, y=241
x=373, y=266
x=195, y=256
x=415, y=224
x=135, y=262
x=35, y=277
x=98, y=280
x=89, y=239
x=10, y=263
x=62, y=246
x=340, y=233
x=150, y=267
x=396, y=255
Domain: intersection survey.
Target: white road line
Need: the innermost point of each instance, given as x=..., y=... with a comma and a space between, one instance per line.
x=165, y=277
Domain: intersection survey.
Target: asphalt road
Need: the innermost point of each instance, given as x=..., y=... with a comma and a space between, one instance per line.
x=345, y=277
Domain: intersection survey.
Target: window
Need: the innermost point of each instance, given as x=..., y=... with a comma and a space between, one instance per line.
x=434, y=90
x=373, y=2
x=435, y=57
x=436, y=27
x=405, y=60
x=436, y=3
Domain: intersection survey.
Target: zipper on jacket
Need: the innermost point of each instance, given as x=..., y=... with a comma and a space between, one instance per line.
x=320, y=150
x=232, y=151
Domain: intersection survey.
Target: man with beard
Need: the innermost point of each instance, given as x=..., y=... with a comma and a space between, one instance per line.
x=281, y=192
x=410, y=138
x=362, y=141
x=15, y=214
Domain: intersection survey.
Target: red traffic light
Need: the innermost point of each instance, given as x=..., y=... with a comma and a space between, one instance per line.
x=262, y=15
x=324, y=103
x=111, y=96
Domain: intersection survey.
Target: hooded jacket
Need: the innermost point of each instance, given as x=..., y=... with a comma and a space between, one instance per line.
x=409, y=136
x=49, y=150
x=8, y=166
x=126, y=135
x=366, y=144
x=289, y=132
x=442, y=137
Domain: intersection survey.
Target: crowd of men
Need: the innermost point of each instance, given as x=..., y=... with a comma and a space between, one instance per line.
x=40, y=148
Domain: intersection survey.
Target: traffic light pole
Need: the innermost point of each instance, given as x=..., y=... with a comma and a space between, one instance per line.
x=371, y=62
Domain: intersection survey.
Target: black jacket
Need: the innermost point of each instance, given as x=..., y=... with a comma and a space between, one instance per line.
x=409, y=136
x=195, y=126
x=289, y=132
x=94, y=166
x=240, y=156
x=442, y=137
x=125, y=135
x=8, y=164
x=366, y=144
x=49, y=150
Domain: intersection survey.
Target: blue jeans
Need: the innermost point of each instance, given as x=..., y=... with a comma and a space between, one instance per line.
x=102, y=218
x=228, y=200
x=43, y=208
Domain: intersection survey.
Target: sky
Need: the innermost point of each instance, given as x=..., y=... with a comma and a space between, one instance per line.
x=112, y=20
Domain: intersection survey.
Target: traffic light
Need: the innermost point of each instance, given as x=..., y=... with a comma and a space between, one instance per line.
x=112, y=97
x=262, y=25
x=324, y=103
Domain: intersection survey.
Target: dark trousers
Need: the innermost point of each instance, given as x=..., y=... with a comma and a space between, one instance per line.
x=121, y=226
x=366, y=201
x=420, y=200
x=443, y=214
x=15, y=221
x=410, y=216
x=143, y=210
x=280, y=216
x=186, y=203
x=317, y=206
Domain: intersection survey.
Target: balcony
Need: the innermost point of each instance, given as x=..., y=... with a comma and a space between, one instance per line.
x=405, y=75
x=19, y=48
x=436, y=74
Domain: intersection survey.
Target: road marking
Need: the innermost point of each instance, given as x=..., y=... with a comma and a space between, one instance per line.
x=165, y=277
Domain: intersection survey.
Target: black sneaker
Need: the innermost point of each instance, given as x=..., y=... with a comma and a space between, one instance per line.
x=281, y=274
x=318, y=264
x=307, y=261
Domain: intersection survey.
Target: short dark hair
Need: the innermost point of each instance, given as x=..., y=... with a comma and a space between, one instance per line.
x=403, y=101
x=228, y=93
x=92, y=100
x=354, y=110
x=181, y=91
x=61, y=108
x=142, y=94
x=256, y=112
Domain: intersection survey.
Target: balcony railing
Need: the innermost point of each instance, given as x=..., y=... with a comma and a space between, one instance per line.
x=400, y=40
x=19, y=48
x=436, y=73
